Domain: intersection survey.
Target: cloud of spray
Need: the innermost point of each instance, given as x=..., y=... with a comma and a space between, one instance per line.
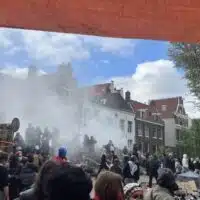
x=33, y=101
x=104, y=125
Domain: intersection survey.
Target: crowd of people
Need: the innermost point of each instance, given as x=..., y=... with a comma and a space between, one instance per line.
x=129, y=170
x=32, y=176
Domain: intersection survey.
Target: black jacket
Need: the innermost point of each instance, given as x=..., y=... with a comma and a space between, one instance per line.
x=153, y=167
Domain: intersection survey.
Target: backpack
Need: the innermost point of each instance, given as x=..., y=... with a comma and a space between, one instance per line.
x=27, y=176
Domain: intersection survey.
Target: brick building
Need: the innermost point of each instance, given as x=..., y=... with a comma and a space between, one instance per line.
x=149, y=126
x=175, y=117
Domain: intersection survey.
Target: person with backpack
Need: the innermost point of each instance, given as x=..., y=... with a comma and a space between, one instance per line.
x=28, y=173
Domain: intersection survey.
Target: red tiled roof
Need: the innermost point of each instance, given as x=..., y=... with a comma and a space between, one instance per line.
x=150, y=109
x=171, y=105
x=98, y=90
x=136, y=105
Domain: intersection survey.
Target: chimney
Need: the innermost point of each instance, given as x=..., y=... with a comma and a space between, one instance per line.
x=152, y=103
x=127, y=96
x=112, y=88
x=180, y=100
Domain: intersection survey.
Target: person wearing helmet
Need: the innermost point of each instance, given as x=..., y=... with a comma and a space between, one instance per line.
x=62, y=155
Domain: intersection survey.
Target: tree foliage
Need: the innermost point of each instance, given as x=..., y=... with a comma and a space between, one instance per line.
x=190, y=142
x=187, y=58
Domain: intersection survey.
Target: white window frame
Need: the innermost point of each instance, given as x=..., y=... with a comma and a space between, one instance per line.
x=140, y=129
x=146, y=129
x=131, y=127
x=122, y=129
x=156, y=133
x=161, y=133
x=130, y=145
x=164, y=108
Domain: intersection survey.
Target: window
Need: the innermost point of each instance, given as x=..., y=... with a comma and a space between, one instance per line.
x=140, y=146
x=139, y=128
x=178, y=135
x=154, y=135
x=150, y=114
x=122, y=124
x=142, y=114
x=156, y=117
x=130, y=126
x=158, y=148
x=164, y=107
x=146, y=131
x=154, y=148
x=103, y=101
x=130, y=143
x=159, y=132
x=146, y=147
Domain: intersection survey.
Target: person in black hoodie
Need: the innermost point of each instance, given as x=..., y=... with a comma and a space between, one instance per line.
x=126, y=168
x=103, y=164
x=169, y=162
x=153, y=169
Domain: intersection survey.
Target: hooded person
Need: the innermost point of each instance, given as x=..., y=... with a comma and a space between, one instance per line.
x=70, y=183
x=165, y=188
x=62, y=155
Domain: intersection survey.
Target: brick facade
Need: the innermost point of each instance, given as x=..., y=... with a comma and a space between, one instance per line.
x=149, y=144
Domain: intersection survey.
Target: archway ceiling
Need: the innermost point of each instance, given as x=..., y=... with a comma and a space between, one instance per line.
x=173, y=20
